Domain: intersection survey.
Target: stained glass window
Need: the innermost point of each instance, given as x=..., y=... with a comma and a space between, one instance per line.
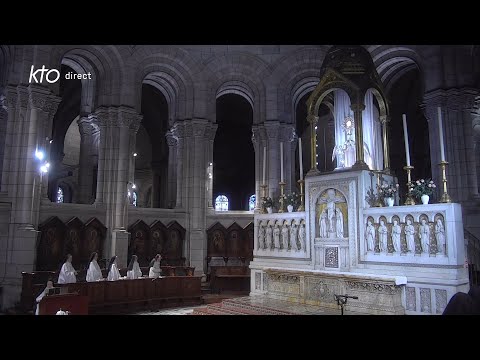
x=251, y=203
x=60, y=198
x=221, y=203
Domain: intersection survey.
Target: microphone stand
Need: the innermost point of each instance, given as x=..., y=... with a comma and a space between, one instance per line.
x=342, y=300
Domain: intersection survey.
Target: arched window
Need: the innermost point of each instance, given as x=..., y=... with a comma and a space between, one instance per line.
x=60, y=198
x=221, y=203
x=251, y=203
x=134, y=198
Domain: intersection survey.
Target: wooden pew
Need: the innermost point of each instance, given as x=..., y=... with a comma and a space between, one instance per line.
x=73, y=303
x=33, y=283
x=232, y=278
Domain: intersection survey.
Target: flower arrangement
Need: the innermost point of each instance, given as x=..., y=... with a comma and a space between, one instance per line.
x=388, y=190
x=421, y=187
x=267, y=202
x=291, y=199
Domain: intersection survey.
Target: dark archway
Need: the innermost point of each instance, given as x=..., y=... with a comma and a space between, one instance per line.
x=233, y=152
x=155, y=122
x=406, y=96
x=68, y=110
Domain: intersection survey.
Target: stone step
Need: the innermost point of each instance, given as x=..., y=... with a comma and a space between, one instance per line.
x=232, y=304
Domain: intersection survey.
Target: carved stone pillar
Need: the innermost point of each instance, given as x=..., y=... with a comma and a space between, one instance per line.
x=210, y=132
x=178, y=131
x=259, y=140
x=272, y=129
x=456, y=106
x=289, y=138
x=116, y=124
x=172, y=170
x=85, y=174
x=359, y=152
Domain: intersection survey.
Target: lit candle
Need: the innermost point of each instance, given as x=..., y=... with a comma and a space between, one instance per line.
x=264, y=162
x=405, y=134
x=440, y=134
x=300, y=157
x=281, y=161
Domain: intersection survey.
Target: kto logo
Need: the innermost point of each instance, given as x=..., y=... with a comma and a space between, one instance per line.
x=46, y=72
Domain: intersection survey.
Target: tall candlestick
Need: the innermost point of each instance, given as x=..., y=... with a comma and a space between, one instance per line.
x=440, y=134
x=281, y=162
x=300, y=157
x=264, y=163
x=405, y=135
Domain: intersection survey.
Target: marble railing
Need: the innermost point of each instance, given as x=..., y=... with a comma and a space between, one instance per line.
x=281, y=235
x=429, y=234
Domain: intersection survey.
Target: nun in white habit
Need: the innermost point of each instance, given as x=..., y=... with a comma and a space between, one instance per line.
x=67, y=273
x=133, y=270
x=42, y=295
x=155, y=269
x=94, y=273
x=113, y=273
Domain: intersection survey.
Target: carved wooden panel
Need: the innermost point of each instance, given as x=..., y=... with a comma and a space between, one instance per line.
x=73, y=242
x=50, y=245
x=173, y=250
x=93, y=238
x=158, y=237
x=139, y=243
x=235, y=240
x=249, y=241
x=216, y=236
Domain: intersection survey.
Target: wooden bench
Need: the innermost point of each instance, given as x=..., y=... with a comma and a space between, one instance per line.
x=231, y=278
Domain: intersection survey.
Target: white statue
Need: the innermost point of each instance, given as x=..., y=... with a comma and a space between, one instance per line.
x=410, y=236
x=382, y=232
x=331, y=200
x=396, y=231
x=293, y=236
x=301, y=236
x=276, y=236
x=323, y=225
x=268, y=238
x=370, y=236
x=424, y=236
x=440, y=237
x=285, y=236
x=339, y=223
x=261, y=236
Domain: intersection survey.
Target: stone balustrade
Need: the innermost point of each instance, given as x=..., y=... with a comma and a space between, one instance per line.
x=281, y=235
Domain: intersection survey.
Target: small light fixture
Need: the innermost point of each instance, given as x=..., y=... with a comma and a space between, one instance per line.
x=211, y=164
x=133, y=186
x=47, y=165
x=51, y=141
x=39, y=154
x=135, y=154
x=43, y=169
x=128, y=193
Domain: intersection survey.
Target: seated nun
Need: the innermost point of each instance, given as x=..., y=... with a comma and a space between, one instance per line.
x=42, y=294
x=133, y=270
x=155, y=270
x=113, y=273
x=94, y=273
x=67, y=273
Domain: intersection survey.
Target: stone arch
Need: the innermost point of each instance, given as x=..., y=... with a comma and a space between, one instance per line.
x=237, y=68
x=294, y=75
x=171, y=70
x=392, y=62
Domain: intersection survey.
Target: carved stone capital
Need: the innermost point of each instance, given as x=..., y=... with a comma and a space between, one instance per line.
x=178, y=130
x=272, y=130
x=210, y=132
x=384, y=119
x=171, y=139
x=357, y=107
x=312, y=119
x=198, y=127
x=118, y=117
x=85, y=126
x=288, y=133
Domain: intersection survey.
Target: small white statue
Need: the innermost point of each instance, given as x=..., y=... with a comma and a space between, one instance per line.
x=440, y=237
x=396, y=231
x=276, y=236
x=261, y=236
x=285, y=236
x=370, y=236
x=268, y=238
x=293, y=236
x=382, y=231
x=302, y=236
x=424, y=236
x=410, y=236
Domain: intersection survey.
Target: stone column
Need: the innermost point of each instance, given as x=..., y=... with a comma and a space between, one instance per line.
x=272, y=129
x=178, y=132
x=384, y=120
x=172, y=170
x=313, y=120
x=210, y=132
x=116, y=123
x=289, y=146
x=259, y=140
x=359, y=153
x=85, y=174
x=457, y=105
